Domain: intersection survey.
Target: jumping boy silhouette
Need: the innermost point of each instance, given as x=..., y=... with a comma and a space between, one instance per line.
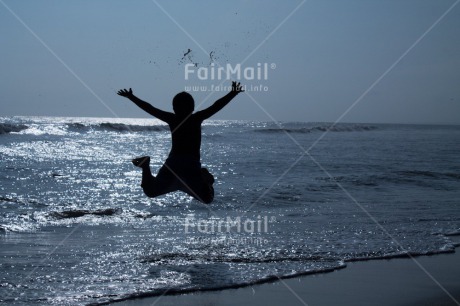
x=182, y=169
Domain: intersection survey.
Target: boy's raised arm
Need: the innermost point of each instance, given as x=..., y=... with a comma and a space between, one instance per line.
x=147, y=107
x=219, y=104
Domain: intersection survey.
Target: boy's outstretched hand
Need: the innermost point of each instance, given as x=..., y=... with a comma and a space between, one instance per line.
x=236, y=87
x=125, y=93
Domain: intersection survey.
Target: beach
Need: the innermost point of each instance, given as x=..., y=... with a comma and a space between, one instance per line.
x=421, y=281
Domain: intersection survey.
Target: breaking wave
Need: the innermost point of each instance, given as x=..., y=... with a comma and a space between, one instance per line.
x=62, y=129
x=6, y=128
x=320, y=128
x=116, y=127
x=120, y=127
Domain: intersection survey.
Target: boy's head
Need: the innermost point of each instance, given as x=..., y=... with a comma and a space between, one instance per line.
x=183, y=104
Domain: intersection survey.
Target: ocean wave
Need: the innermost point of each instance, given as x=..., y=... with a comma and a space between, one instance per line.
x=453, y=233
x=17, y=228
x=320, y=128
x=107, y=212
x=423, y=178
x=6, y=128
x=80, y=213
x=120, y=127
x=331, y=267
x=33, y=221
x=83, y=127
x=174, y=257
x=76, y=127
x=7, y=199
x=116, y=127
x=404, y=254
x=215, y=287
x=429, y=174
x=21, y=201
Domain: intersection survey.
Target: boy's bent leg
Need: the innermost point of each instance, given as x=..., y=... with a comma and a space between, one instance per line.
x=201, y=189
x=148, y=180
x=153, y=186
x=148, y=183
x=207, y=195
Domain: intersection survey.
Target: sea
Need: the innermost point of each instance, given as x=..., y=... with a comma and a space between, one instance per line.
x=291, y=198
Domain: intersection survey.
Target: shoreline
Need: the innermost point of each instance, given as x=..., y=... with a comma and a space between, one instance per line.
x=432, y=279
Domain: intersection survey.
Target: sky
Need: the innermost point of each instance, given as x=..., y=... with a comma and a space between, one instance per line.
x=367, y=61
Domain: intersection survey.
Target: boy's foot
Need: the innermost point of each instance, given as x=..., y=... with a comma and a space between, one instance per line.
x=142, y=162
